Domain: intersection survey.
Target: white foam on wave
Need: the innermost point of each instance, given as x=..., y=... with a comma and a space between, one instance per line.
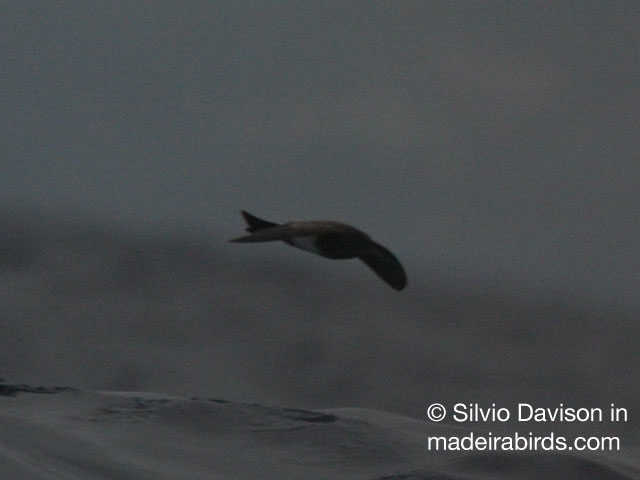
x=82, y=435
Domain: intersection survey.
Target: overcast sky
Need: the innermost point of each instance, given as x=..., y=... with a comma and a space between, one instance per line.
x=498, y=140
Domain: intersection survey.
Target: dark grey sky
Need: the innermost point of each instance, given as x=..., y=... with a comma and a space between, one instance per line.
x=492, y=139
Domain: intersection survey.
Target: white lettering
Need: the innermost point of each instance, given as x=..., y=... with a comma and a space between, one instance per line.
x=560, y=413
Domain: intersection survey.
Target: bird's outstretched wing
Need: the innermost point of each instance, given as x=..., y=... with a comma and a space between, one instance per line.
x=386, y=266
x=254, y=223
x=271, y=234
x=283, y=232
x=264, y=231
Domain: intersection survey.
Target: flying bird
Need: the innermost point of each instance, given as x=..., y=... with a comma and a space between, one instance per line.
x=330, y=240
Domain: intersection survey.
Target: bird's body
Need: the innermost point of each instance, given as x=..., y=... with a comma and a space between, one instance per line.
x=328, y=239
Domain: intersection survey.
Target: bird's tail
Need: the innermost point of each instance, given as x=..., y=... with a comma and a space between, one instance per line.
x=255, y=224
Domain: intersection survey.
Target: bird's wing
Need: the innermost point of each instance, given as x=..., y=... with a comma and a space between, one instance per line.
x=281, y=232
x=254, y=223
x=386, y=266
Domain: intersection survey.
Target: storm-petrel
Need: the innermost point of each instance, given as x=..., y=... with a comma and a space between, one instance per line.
x=331, y=240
